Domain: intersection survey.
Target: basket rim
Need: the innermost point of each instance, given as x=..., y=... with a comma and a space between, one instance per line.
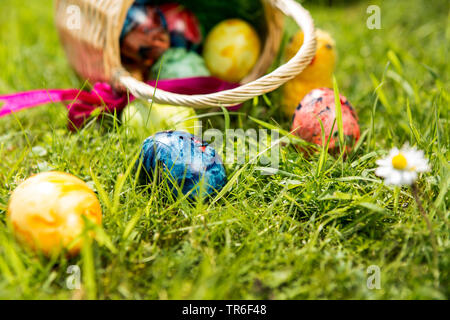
x=262, y=85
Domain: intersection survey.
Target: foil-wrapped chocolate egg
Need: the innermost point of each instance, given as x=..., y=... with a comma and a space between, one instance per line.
x=191, y=164
x=146, y=118
x=183, y=26
x=47, y=212
x=144, y=36
x=320, y=104
x=179, y=63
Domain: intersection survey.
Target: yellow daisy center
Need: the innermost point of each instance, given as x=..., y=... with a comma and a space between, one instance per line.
x=399, y=162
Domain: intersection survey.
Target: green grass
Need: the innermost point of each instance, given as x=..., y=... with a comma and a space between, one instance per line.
x=310, y=231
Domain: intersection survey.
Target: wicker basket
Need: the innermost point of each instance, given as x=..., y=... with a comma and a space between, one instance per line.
x=93, y=50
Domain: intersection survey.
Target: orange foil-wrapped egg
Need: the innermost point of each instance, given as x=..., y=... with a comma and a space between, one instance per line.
x=46, y=212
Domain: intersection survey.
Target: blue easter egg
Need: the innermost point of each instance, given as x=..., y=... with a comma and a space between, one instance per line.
x=194, y=165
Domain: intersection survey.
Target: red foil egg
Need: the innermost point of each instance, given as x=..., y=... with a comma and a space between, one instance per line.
x=183, y=26
x=320, y=104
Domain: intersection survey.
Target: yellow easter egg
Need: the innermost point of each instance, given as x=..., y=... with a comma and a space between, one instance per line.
x=231, y=50
x=318, y=74
x=46, y=212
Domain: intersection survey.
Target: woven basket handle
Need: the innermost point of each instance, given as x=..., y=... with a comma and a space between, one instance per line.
x=247, y=91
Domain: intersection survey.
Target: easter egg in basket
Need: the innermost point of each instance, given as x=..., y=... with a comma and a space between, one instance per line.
x=320, y=104
x=146, y=118
x=144, y=36
x=190, y=163
x=183, y=26
x=179, y=63
x=231, y=50
x=47, y=212
x=318, y=74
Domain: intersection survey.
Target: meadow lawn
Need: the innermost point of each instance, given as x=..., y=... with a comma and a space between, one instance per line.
x=309, y=231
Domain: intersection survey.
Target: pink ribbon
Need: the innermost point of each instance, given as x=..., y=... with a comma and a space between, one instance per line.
x=104, y=98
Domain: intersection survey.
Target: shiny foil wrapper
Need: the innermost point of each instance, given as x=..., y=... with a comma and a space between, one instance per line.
x=145, y=36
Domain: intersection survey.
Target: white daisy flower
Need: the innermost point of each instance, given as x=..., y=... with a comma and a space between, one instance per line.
x=401, y=167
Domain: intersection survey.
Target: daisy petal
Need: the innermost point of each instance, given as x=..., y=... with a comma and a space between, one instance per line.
x=394, y=178
x=383, y=171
